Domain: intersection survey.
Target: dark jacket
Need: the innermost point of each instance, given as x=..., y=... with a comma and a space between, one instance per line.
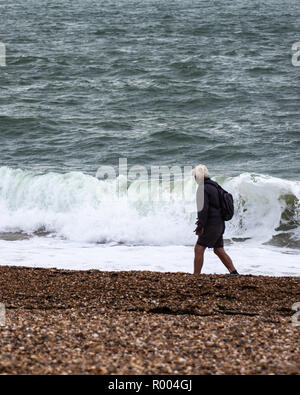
x=211, y=212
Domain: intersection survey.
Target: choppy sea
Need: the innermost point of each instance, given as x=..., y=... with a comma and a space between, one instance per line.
x=160, y=83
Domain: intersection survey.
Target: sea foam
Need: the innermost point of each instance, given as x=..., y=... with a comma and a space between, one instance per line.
x=79, y=207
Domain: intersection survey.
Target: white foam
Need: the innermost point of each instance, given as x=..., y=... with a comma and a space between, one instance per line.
x=259, y=204
x=79, y=210
x=63, y=254
x=79, y=207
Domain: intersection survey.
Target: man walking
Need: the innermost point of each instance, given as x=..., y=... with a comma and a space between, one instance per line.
x=210, y=224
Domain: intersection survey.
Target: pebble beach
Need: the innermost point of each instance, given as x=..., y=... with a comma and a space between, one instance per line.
x=141, y=322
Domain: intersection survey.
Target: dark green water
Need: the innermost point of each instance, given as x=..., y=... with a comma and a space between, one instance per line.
x=158, y=82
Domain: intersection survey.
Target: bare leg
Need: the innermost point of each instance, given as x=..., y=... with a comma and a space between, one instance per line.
x=225, y=258
x=198, y=260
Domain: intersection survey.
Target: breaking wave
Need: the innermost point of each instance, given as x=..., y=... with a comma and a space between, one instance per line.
x=78, y=207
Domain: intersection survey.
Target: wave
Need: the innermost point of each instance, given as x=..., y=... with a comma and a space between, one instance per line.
x=267, y=209
x=78, y=207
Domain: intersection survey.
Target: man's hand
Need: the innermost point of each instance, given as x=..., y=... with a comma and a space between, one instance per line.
x=199, y=231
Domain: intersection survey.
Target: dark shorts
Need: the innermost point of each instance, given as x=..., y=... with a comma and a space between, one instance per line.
x=212, y=236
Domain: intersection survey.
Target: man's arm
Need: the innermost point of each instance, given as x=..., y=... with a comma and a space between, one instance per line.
x=202, y=215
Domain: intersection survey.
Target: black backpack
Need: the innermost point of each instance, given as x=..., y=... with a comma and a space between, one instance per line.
x=226, y=202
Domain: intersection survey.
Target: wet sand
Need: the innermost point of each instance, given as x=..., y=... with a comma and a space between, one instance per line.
x=93, y=322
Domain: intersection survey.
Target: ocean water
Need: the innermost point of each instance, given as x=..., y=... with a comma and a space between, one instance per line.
x=161, y=83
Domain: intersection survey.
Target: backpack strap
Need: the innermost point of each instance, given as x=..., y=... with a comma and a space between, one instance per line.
x=218, y=187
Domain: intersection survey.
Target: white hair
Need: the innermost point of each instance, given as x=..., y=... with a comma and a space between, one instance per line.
x=200, y=172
